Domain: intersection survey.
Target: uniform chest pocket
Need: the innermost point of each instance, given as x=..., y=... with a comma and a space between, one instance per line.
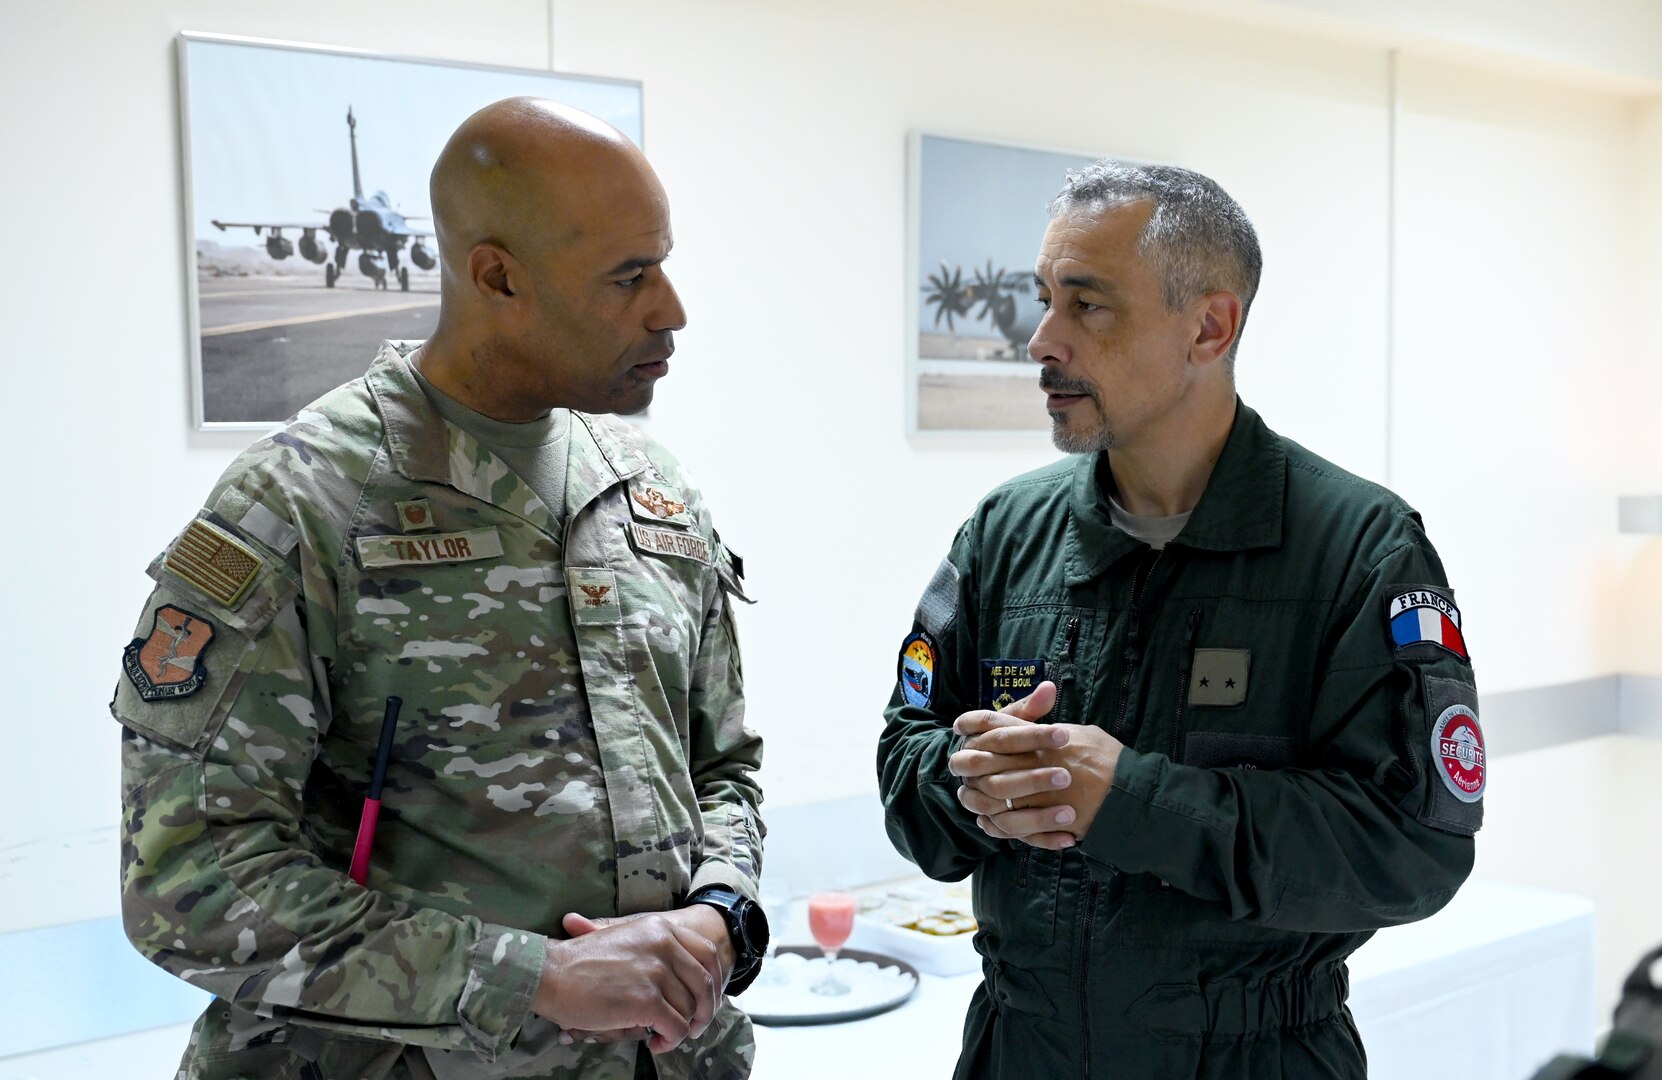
x=1015, y=896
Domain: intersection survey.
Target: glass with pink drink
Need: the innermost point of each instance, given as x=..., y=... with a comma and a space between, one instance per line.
x=831, y=919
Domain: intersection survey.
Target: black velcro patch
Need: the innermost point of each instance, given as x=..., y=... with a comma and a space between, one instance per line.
x=1004, y=682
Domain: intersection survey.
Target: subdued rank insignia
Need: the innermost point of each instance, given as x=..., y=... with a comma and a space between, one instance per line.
x=168, y=663
x=214, y=562
x=1457, y=748
x=917, y=670
x=1219, y=676
x=1005, y=682
x=415, y=516
x=594, y=599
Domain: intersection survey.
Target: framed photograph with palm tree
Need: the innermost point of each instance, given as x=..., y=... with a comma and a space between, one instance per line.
x=978, y=212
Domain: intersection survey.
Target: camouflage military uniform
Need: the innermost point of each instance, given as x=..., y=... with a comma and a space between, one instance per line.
x=572, y=739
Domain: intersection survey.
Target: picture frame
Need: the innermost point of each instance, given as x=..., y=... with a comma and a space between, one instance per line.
x=977, y=212
x=307, y=224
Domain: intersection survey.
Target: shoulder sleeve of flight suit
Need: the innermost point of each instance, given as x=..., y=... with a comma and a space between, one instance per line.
x=224, y=702
x=935, y=681
x=1376, y=828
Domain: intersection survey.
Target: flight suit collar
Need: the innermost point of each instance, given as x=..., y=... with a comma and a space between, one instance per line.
x=424, y=447
x=1240, y=510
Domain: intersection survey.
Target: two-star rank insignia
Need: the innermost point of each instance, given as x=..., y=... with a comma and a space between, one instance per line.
x=1219, y=676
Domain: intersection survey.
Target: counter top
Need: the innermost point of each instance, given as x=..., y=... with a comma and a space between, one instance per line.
x=1514, y=964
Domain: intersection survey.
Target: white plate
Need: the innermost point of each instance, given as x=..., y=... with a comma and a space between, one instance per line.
x=876, y=984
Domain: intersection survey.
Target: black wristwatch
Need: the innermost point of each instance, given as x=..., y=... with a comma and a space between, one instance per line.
x=747, y=926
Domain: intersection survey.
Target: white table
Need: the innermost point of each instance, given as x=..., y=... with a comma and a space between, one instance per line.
x=1488, y=989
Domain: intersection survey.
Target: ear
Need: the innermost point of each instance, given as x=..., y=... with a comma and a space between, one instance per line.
x=494, y=272
x=1218, y=325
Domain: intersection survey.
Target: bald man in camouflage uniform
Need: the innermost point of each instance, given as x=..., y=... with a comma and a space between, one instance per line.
x=571, y=746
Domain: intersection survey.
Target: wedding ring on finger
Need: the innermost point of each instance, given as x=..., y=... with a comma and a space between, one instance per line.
x=1009, y=804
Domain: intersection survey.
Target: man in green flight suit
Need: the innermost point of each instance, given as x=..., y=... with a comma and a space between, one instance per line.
x=562, y=880
x=1194, y=706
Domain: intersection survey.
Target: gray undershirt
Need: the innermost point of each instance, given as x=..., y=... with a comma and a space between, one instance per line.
x=1156, y=532
x=536, y=451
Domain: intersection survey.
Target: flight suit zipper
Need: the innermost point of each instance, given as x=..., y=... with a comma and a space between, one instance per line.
x=1065, y=680
x=1084, y=978
x=1130, y=655
x=1187, y=671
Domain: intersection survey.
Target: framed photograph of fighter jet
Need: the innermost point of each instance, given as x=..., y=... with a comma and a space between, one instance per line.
x=978, y=213
x=305, y=172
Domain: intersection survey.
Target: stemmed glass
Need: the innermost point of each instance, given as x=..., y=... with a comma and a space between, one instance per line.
x=831, y=919
x=776, y=903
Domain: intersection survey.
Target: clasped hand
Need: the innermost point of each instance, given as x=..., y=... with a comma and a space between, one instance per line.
x=657, y=976
x=1041, y=784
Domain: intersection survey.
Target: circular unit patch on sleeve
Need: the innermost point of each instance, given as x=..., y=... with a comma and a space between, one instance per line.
x=917, y=670
x=1457, y=748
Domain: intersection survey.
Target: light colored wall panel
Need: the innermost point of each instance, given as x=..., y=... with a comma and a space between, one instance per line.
x=104, y=468
x=780, y=134
x=1513, y=263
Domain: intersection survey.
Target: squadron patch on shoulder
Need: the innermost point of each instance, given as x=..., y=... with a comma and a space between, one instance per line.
x=1457, y=748
x=214, y=562
x=917, y=670
x=1423, y=615
x=1005, y=682
x=168, y=664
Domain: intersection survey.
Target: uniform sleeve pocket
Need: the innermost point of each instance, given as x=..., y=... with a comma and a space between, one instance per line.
x=1451, y=742
x=189, y=656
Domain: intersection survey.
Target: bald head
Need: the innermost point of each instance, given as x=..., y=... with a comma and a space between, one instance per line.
x=522, y=172
x=552, y=232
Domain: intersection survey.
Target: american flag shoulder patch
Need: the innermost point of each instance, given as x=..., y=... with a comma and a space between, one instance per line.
x=214, y=562
x=1423, y=615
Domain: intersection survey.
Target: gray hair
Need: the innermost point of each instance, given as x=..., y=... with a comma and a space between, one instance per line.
x=1198, y=240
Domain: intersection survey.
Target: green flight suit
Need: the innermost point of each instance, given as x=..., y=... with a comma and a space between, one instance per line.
x=1256, y=832
x=572, y=739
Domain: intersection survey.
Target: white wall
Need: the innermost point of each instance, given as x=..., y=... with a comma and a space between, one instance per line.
x=1523, y=387
x=1636, y=569
x=104, y=465
x=1583, y=818
x=1511, y=426
x=780, y=135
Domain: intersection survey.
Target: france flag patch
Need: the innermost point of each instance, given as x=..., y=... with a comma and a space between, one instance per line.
x=1423, y=616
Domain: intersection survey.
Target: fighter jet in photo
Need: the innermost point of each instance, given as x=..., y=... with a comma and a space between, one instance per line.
x=369, y=224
